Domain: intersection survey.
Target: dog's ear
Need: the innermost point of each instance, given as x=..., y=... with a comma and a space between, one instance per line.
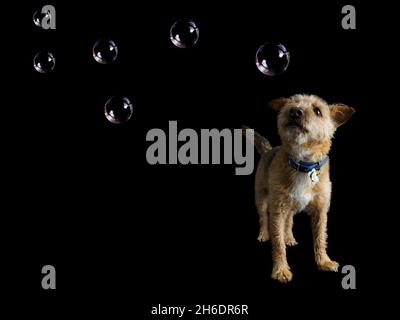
x=277, y=104
x=340, y=113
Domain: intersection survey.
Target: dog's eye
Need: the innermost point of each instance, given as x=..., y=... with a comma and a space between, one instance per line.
x=317, y=112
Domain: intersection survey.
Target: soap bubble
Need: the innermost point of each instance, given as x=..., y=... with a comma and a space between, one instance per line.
x=272, y=58
x=38, y=17
x=118, y=109
x=105, y=51
x=184, y=33
x=44, y=62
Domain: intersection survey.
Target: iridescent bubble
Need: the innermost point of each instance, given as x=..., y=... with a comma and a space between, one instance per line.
x=118, y=109
x=184, y=33
x=44, y=62
x=105, y=51
x=272, y=58
x=38, y=17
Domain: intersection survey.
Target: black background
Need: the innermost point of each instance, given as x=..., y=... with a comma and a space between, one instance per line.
x=124, y=235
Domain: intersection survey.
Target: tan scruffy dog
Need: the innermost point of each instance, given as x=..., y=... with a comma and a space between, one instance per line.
x=294, y=177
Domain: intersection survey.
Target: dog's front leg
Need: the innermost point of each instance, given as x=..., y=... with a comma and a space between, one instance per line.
x=289, y=238
x=280, y=269
x=319, y=219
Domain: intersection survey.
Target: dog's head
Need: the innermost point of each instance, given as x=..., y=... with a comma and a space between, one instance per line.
x=308, y=119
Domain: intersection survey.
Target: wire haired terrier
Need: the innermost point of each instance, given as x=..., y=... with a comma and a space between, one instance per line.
x=294, y=177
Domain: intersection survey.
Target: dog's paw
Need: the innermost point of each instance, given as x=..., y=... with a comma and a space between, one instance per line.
x=291, y=241
x=328, y=265
x=282, y=274
x=263, y=236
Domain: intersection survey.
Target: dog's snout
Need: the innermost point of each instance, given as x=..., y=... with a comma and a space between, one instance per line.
x=296, y=113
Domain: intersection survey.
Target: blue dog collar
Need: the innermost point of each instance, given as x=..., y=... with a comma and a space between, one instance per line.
x=307, y=166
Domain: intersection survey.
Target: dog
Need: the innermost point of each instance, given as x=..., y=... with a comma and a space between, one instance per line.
x=294, y=177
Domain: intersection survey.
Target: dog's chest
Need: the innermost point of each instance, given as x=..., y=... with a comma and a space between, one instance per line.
x=301, y=190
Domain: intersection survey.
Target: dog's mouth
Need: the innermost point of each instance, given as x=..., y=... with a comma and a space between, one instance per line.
x=296, y=125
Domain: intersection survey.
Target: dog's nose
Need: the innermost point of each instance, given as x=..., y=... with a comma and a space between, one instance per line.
x=296, y=113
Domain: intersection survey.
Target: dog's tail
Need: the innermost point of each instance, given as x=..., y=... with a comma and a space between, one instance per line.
x=262, y=144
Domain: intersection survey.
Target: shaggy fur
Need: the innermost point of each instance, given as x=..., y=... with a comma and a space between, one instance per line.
x=281, y=191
